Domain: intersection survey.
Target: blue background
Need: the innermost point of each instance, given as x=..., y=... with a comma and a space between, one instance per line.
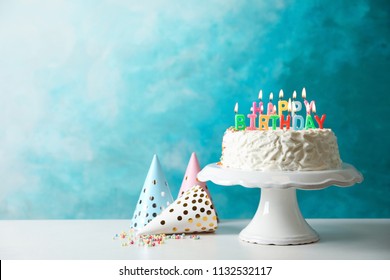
x=90, y=90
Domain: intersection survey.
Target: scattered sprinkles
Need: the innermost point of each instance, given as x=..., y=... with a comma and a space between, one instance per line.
x=130, y=238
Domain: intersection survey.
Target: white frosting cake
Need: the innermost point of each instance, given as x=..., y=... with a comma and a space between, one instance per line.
x=287, y=150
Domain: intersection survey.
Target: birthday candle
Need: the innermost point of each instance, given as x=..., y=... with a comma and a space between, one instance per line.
x=296, y=106
x=282, y=104
x=309, y=123
x=263, y=122
x=285, y=122
x=281, y=93
x=293, y=108
x=304, y=94
x=261, y=100
x=252, y=120
x=270, y=108
x=298, y=122
x=254, y=104
x=320, y=121
x=239, y=119
x=308, y=106
x=273, y=119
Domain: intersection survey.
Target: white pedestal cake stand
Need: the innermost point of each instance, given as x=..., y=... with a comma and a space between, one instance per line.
x=278, y=219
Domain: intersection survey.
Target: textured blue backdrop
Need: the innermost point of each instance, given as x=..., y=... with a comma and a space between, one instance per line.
x=90, y=90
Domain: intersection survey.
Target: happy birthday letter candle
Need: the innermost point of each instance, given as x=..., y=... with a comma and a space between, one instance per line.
x=282, y=104
x=285, y=122
x=273, y=119
x=298, y=122
x=239, y=119
x=320, y=121
x=308, y=106
x=263, y=122
x=271, y=109
x=296, y=106
x=304, y=94
x=309, y=121
x=252, y=119
x=296, y=119
x=254, y=104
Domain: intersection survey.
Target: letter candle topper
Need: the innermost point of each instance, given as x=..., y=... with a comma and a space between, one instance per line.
x=239, y=119
x=275, y=119
x=282, y=104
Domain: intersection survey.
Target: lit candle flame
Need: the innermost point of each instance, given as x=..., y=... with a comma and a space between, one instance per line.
x=289, y=105
x=275, y=109
x=314, y=108
x=294, y=94
x=261, y=94
x=281, y=94
x=236, y=108
x=304, y=93
x=294, y=108
x=262, y=109
x=271, y=96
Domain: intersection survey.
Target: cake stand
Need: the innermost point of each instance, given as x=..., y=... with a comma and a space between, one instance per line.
x=278, y=219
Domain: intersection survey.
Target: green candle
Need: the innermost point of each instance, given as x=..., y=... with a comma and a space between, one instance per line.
x=239, y=120
x=309, y=122
x=274, y=118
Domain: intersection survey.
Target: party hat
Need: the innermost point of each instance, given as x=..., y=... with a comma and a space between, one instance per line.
x=190, y=178
x=154, y=198
x=192, y=212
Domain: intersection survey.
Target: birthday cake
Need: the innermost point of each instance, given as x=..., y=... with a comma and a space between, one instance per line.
x=285, y=141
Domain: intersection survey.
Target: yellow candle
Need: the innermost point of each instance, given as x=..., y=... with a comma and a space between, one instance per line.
x=263, y=122
x=282, y=104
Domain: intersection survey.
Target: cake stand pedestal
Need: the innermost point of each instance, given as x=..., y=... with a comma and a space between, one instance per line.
x=278, y=219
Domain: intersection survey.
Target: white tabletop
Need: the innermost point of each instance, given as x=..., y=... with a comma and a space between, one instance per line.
x=93, y=239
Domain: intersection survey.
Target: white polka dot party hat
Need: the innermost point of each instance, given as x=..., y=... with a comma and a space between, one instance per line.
x=191, y=213
x=154, y=198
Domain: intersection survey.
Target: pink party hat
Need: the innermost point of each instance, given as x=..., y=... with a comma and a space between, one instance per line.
x=190, y=178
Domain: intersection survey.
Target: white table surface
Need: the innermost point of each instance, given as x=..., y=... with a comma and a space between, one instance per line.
x=93, y=240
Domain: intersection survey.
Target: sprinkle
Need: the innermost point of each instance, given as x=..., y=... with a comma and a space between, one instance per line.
x=148, y=240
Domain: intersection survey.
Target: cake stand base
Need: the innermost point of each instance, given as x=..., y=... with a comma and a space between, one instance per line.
x=278, y=220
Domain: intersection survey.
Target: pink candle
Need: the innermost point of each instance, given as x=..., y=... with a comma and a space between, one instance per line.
x=271, y=109
x=252, y=119
x=259, y=109
x=309, y=106
x=256, y=109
